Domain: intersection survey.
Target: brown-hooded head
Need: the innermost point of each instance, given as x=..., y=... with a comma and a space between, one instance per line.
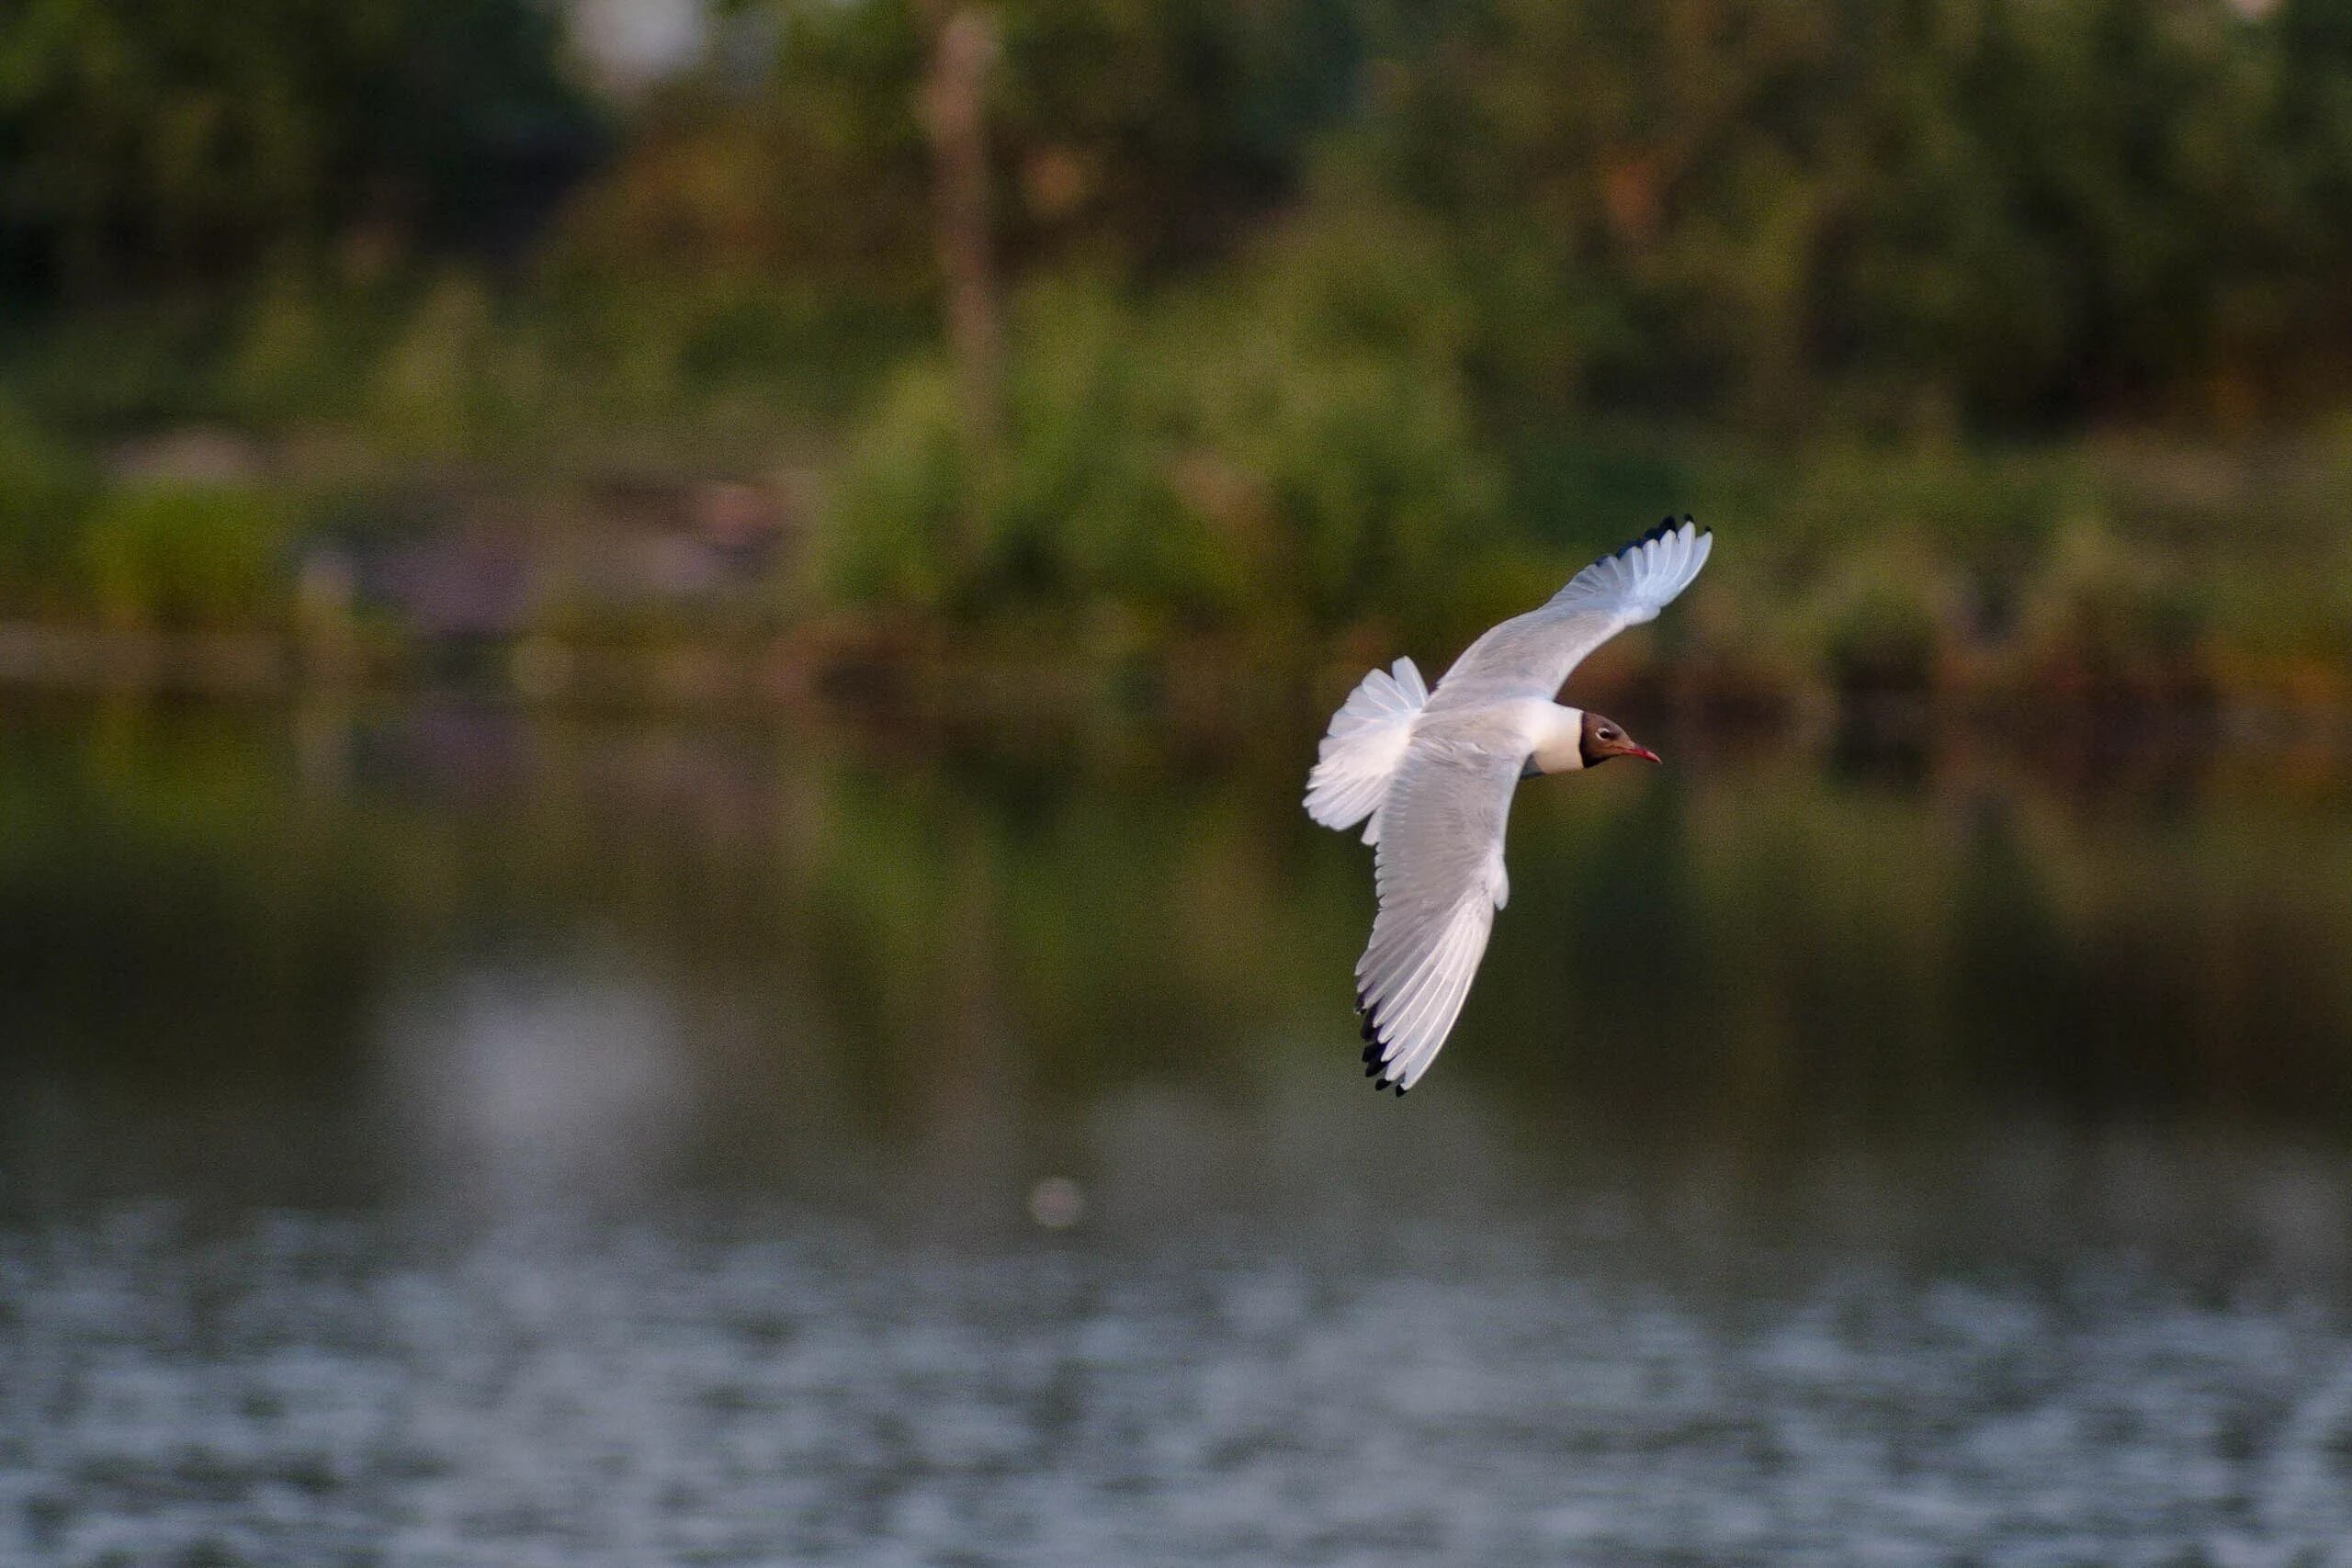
x=1604, y=739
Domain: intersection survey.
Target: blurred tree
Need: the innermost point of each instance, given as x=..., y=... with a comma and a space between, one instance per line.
x=156, y=142
x=1144, y=136
x=1992, y=210
x=955, y=113
x=1914, y=216
x=1277, y=452
x=1134, y=136
x=1923, y=215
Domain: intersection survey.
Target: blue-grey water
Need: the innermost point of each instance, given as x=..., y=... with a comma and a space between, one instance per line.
x=432, y=1136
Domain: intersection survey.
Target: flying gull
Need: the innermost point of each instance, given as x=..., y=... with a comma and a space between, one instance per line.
x=1431, y=776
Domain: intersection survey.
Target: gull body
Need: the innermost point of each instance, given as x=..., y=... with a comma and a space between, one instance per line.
x=1431, y=776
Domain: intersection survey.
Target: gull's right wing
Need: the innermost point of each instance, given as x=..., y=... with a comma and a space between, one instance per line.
x=1531, y=654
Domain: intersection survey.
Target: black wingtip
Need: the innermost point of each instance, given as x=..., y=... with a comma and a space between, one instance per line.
x=1666, y=524
x=1374, y=1067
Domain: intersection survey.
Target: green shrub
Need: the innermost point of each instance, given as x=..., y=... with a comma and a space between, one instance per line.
x=1289, y=445
x=2107, y=616
x=44, y=485
x=1883, y=641
x=895, y=528
x=186, y=556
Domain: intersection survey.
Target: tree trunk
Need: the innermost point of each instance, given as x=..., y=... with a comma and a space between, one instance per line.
x=955, y=112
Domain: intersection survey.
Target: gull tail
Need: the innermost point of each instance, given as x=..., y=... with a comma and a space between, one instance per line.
x=1361, y=751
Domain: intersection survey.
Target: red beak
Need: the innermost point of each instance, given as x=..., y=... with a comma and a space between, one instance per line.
x=1644, y=753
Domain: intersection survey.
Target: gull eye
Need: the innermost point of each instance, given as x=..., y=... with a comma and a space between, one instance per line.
x=1607, y=733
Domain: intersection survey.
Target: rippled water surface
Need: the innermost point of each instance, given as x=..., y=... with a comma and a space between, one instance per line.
x=436, y=1137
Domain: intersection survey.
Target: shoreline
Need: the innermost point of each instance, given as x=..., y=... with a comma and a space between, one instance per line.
x=909, y=684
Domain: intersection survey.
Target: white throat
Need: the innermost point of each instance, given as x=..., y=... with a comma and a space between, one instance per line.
x=1559, y=739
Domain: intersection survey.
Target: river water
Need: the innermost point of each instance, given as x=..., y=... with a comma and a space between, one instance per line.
x=434, y=1136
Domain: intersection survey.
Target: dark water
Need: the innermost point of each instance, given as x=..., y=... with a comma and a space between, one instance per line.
x=431, y=1136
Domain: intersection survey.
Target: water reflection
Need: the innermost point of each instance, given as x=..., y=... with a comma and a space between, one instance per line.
x=460, y=1137
x=475, y=941
x=537, y=1083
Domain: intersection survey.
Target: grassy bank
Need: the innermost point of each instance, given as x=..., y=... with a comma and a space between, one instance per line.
x=1120, y=564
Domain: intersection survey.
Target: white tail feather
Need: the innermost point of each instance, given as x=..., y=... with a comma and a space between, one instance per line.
x=1361, y=751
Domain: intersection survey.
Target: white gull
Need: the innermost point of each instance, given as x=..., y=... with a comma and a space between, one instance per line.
x=1431, y=775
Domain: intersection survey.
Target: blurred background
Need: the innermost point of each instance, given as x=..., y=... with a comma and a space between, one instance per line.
x=657, y=658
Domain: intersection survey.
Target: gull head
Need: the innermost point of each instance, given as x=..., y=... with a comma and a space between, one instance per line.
x=1604, y=739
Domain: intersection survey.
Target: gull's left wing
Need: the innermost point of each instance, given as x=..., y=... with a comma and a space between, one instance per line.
x=1440, y=872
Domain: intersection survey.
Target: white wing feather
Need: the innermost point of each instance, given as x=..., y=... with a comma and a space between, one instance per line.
x=1361, y=751
x=1533, y=655
x=1440, y=872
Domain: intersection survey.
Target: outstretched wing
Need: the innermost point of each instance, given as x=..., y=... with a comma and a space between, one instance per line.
x=1440, y=871
x=1531, y=654
x=1361, y=752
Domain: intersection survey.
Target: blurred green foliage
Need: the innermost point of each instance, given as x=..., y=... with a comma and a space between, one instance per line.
x=1322, y=320
x=177, y=555
x=1290, y=446
x=1937, y=214
x=43, y=489
x=1896, y=216
x=147, y=142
